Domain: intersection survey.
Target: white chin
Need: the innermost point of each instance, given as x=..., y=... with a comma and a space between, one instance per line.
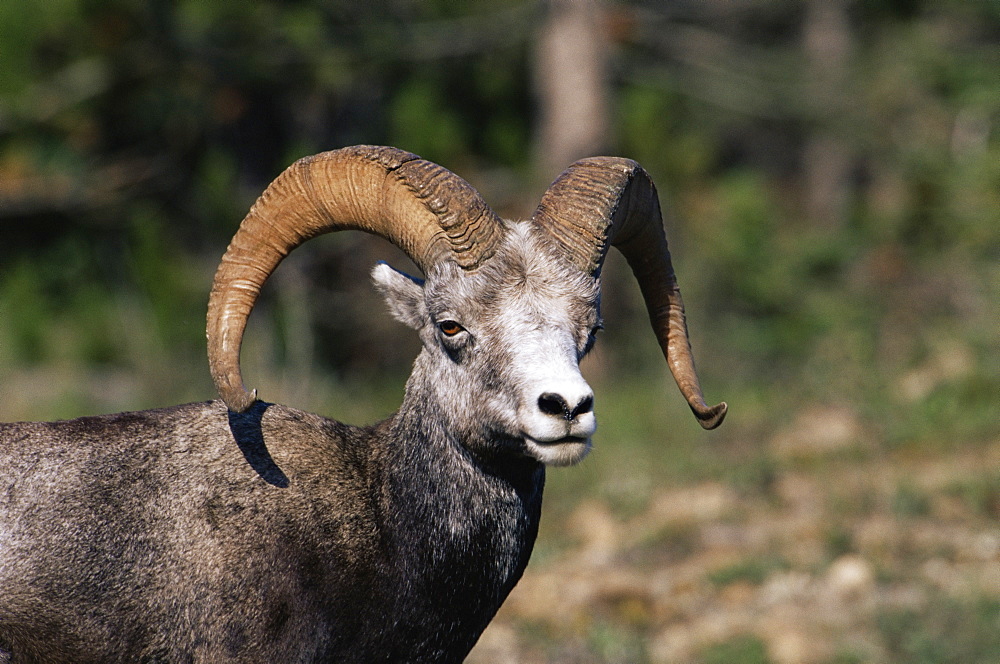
x=563, y=452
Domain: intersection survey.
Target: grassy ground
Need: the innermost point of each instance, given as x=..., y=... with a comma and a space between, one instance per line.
x=817, y=542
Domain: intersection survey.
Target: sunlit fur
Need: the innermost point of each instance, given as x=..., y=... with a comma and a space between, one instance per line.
x=528, y=318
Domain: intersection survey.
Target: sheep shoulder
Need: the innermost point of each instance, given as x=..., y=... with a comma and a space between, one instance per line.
x=274, y=531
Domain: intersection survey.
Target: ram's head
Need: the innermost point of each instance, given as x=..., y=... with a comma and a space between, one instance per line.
x=505, y=310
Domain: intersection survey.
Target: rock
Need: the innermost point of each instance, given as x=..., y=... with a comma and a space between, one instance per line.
x=816, y=431
x=597, y=530
x=850, y=575
x=790, y=646
x=693, y=504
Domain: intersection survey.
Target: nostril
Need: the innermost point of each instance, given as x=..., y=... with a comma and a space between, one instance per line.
x=552, y=404
x=585, y=406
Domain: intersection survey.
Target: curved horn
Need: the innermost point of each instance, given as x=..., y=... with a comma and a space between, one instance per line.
x=424, y=209
x=605, y=201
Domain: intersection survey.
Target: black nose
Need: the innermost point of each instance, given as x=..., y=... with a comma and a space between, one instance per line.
x=554, y=404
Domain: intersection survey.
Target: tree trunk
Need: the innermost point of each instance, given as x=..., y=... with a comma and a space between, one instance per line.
x=571, y=85
x=827, y=160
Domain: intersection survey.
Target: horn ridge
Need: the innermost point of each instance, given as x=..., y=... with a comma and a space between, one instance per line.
x=427, y=211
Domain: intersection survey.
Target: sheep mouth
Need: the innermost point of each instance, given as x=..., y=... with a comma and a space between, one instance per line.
x=565, y=440
x=564, y=451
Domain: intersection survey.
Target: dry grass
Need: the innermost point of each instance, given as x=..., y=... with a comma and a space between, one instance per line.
x=836, y=551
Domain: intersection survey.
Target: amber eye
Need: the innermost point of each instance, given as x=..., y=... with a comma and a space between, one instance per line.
x=449, y=328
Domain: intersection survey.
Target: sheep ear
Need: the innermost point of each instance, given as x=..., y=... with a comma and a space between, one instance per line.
x=404, y=294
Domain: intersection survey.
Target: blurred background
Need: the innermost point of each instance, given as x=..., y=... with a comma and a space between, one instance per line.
x=831, y=175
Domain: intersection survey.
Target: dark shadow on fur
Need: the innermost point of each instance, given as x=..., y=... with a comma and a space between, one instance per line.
x=250, y=438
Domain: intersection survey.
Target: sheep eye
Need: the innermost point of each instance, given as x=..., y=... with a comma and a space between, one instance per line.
x=449, y=328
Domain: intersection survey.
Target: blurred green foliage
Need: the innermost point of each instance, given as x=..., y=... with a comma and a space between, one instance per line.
x=751, y=570
x=955, y=632
x=747, y=649
x=134, y=135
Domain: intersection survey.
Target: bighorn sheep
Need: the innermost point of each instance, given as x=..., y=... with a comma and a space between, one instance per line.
x=243, y=531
